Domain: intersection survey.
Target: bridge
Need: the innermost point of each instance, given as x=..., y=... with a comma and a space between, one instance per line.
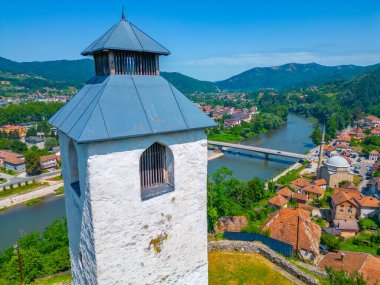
x=266, y=151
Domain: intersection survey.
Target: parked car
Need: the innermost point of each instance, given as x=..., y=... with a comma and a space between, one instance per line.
x=324, y=249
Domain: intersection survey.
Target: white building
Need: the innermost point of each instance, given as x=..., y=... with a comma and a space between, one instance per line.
x=134, y=161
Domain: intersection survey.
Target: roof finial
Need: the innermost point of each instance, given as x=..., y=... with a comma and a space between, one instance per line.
x=123, y=14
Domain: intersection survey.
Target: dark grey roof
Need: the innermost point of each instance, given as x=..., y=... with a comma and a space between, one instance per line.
x=120, y=106
x=125, y=36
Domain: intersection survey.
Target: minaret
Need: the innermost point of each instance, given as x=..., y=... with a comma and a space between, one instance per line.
x=321, y=148
x=134, y=162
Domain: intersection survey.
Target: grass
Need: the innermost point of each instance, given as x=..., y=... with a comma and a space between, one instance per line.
x=242, y=268
x=55, y=280
x=59, y=191
x=7, y=171
x=33, y=201
x=55, y=178
x=360, y=243
x=22, y=189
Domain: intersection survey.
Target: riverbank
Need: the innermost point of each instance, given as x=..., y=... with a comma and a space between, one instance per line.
x=213, y=154
x=22, y=198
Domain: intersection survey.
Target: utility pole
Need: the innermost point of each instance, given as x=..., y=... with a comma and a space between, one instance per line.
x=298, y=232
x=19, y=263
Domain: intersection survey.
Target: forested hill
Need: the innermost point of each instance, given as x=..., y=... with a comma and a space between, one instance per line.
x=188, y=84
x=292, y=75
x=79, y=71
x=57, y=70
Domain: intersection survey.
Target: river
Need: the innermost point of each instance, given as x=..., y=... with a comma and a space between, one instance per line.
x=293, y=137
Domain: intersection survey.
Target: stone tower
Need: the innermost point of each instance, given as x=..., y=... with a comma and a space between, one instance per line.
x=134, y=162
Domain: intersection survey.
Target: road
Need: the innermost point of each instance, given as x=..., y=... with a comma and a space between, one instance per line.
x=16, y=179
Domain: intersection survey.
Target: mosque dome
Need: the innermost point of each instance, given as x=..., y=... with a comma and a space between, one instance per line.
x=337, y=161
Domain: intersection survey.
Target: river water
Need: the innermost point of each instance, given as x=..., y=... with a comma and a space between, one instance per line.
x=293, y=137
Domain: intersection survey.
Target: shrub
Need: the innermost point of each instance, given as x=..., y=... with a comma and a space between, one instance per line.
x=11, y=186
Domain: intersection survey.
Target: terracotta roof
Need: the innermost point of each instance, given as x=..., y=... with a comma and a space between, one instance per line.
x=14, y=160
x=372, y=118
x=314, y=189
x=374, y=151
x=349, y=186
x=368, y=201
x=328, y=148
x=306, y=207
x=375, y=132
x=364, y=263
x=320, y=182
x=6, y=153
x=343, y=196
x=300, y=182
x=48, y=157
x=286, y=192
x=283, y=226
x=278, y=201
x=341, y=146
x=299, y=196
x=344, y=137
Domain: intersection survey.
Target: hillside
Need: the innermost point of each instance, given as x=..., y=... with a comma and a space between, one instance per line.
x=188, y=84
x=79, y=71
x=57, y=70
x=292, y=75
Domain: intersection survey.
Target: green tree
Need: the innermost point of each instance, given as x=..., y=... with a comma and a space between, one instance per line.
x=32, y=161
x=50, y=143
x=316, y=135
x=31, y=132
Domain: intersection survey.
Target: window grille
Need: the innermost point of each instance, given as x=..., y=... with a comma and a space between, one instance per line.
x=156, y=171
x=153, y=166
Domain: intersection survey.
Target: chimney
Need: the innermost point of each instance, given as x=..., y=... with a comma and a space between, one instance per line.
x=341, y=256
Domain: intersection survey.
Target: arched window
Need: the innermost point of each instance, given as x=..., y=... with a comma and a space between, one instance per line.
x=156, y=171
x=74, y=172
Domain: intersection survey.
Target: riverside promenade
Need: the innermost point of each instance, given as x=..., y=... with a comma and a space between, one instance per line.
x=22, y=198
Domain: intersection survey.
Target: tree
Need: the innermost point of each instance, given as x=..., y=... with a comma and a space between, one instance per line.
x=31, y=132
x=50, y=143
x=343, y=278
x=32, y=161
x=316, y=135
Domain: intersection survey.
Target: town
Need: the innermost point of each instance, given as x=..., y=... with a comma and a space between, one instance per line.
x=248, y=153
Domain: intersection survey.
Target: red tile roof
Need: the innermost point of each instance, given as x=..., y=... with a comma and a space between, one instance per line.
x=352, y=262
x=314, y=189
x=278, y=201
x=48, y=157
x=283, y=225
x=300, y=197
x=368, y=202
x=320, y=182
x=286, y=192
x=344, y=196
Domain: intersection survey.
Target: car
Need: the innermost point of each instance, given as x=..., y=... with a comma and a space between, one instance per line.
x=324, y=249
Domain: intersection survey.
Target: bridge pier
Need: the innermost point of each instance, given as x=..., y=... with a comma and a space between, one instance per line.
x=267, y=156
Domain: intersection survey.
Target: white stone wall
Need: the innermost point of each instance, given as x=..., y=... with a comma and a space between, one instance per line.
x=367, y=212
x=117, y=228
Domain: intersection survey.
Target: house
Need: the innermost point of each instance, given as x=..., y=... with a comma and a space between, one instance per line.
x=35, y=141
x=4, y=154
x=373, y=155
x=344, y=206
x=372, y=120
x=14, y=163
x=343, y=140
x=20, y=130
x=278, y=201
x=353, y=262
x=292, y=225
x=335, y=170
x=375, y=132
x=300, y=198
x=48, y=161
x=328, y=150
x=299, y=183
x=368, y=206
x=320, y=183
x=313, y=192
x=347, y=228
x=286, y=192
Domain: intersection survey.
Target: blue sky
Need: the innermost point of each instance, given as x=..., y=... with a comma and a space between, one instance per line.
x=209, y=40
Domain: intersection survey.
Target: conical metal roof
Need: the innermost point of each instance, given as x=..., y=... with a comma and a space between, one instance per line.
x=125, y=36
x=121, y=106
